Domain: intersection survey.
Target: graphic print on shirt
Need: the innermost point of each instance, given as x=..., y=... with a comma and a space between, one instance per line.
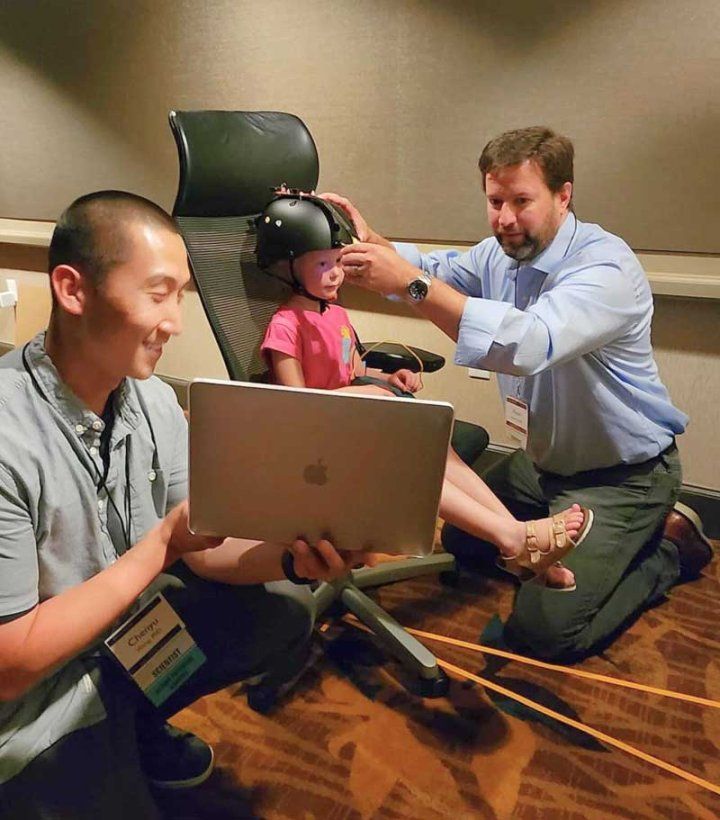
x=347, y=344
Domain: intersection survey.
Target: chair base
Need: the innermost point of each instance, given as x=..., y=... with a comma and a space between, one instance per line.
x=425, y=677
x=415, y=658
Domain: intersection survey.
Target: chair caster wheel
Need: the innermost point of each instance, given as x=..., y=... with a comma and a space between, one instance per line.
x=434, y=687
x=262, y=699
x=451, y=578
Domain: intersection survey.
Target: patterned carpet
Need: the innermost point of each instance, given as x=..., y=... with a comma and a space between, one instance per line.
x=350, y=742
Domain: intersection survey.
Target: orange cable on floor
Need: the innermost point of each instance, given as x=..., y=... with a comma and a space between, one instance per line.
x=566, y=670
x=576, y=724
x=544, y=710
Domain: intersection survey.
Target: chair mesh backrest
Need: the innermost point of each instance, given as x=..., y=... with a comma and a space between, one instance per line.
x=229, y=163
x=239, y=299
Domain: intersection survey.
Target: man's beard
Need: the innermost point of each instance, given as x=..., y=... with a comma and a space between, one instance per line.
x=529, y=248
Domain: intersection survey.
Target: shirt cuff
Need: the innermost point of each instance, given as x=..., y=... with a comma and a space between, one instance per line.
x=411, y=254
x=478, y=327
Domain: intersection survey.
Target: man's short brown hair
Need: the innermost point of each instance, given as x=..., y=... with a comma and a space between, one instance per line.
x=552, y=152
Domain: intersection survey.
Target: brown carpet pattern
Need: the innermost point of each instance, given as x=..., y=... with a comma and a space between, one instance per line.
x=350, y=743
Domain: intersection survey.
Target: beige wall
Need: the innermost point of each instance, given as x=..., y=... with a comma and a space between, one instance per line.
x=400, y=95
x=685, y=336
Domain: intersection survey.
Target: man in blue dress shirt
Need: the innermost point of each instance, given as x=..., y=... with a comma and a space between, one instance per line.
x=562, y=311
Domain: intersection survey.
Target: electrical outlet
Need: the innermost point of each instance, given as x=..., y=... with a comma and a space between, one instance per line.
x=476, y=373
x=9, y=297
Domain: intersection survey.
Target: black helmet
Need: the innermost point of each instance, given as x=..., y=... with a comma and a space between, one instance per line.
x=294, y=223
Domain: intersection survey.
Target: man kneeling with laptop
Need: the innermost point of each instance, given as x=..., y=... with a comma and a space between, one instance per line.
x=93, y=482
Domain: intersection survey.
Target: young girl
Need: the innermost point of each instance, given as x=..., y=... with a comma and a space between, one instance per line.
x=311, y=343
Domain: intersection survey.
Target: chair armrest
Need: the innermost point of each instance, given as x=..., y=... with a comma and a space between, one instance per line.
x=469, y=441
x=390, y=357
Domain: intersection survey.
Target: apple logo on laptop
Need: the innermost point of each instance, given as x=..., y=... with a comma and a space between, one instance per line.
x=316, y=473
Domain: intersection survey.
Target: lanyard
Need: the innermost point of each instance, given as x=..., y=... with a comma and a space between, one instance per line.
x=98, y=478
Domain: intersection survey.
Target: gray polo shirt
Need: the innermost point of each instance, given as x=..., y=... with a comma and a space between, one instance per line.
x=58, y=526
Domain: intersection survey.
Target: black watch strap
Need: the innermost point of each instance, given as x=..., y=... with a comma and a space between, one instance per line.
x=288, y=567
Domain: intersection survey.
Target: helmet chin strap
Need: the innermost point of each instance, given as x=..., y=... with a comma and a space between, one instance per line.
x=299, y=288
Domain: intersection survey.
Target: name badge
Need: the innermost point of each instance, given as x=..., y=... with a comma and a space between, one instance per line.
x=516, y=420
x=156, y=650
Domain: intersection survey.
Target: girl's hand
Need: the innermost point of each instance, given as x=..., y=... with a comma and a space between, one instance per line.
x=406, y=380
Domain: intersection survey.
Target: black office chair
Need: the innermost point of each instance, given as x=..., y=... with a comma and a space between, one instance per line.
x=229, y=163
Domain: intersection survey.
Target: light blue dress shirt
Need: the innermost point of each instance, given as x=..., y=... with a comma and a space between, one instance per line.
x=568, y=332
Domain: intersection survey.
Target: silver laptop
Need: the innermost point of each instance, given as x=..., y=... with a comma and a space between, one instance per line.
x=274, y=463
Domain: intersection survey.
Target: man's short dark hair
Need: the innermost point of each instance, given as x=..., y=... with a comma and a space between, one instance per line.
x=552, y=152
x=91, y=235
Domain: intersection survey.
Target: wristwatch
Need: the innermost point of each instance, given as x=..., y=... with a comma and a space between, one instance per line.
x=418, y=288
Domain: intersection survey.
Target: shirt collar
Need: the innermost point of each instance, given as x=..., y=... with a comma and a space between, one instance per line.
x=60, y=396
x=546, y=261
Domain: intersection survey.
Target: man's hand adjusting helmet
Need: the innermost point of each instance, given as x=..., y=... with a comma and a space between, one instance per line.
x=294, y=223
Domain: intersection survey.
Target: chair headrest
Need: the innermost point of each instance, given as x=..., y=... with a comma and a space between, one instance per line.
x=230, y=161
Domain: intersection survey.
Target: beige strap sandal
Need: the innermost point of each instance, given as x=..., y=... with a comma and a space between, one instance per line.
x=534, y=561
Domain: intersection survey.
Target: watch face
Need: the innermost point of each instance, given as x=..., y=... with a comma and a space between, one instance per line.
x=417, y=290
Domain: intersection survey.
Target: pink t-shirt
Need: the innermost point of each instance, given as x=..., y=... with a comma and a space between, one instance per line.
x=323, y=343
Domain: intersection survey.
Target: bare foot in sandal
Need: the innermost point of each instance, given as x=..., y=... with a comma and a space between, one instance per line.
x=536, y=547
